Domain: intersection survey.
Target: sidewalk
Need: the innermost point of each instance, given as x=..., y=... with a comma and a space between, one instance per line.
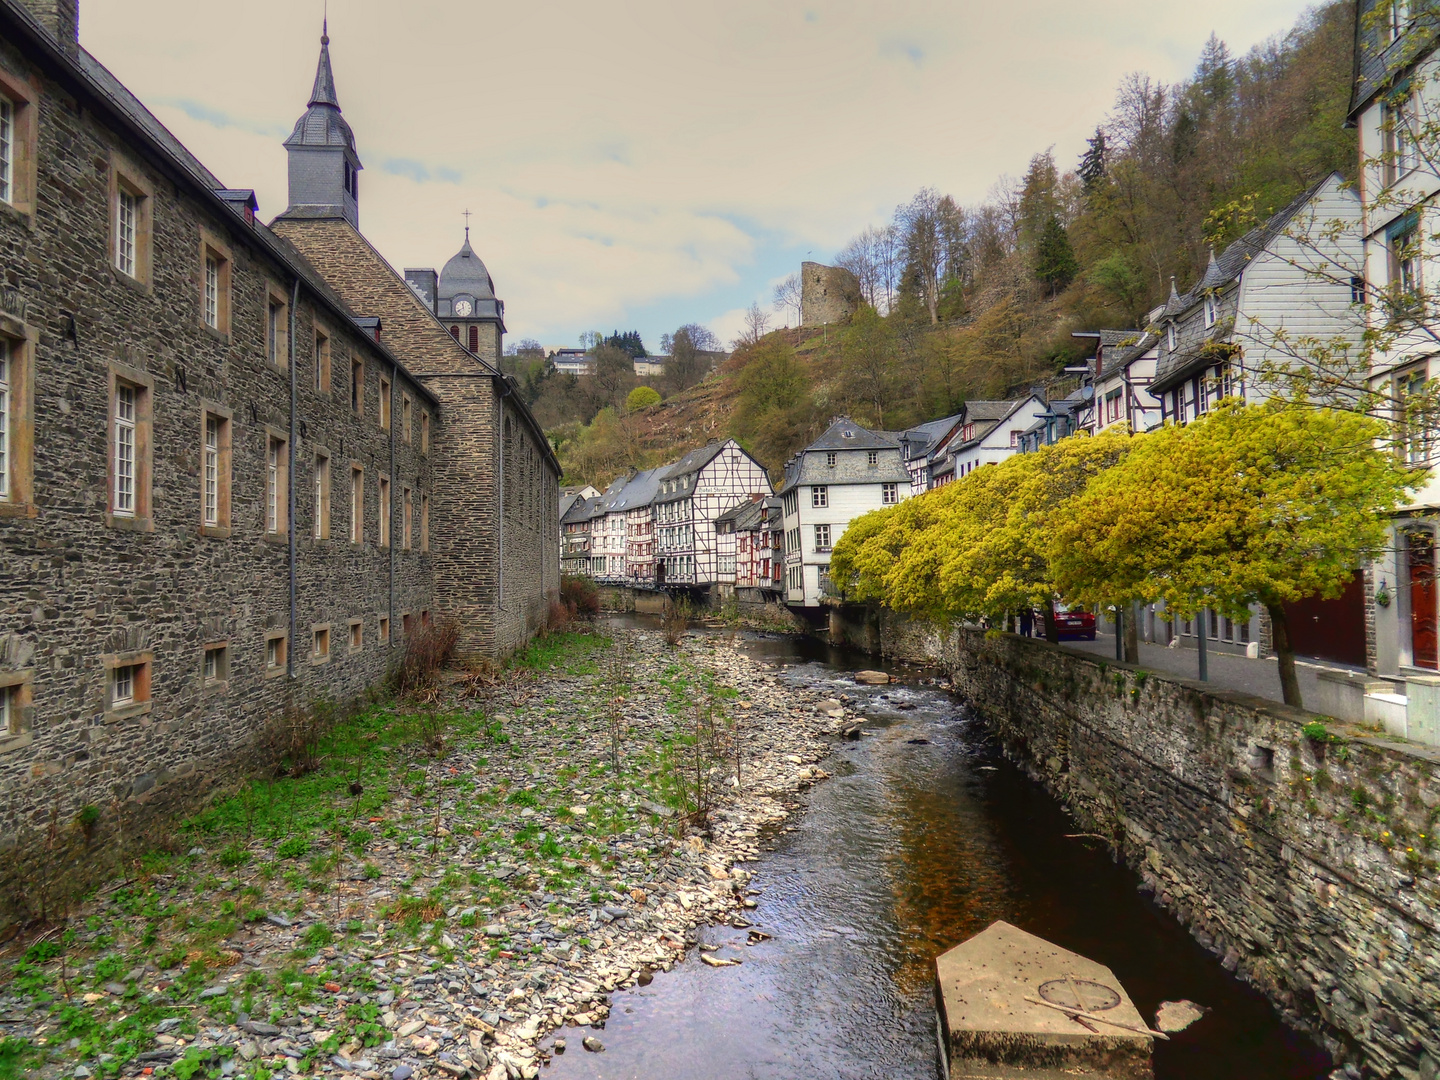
x=1227, y=670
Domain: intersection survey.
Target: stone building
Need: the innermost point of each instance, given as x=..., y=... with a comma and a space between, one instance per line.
x=230, y=481
x=828, y=294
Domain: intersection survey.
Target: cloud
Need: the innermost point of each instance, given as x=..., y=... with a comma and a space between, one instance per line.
x=652, y=193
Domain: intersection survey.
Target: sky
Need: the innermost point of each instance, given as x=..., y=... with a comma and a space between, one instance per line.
x=643, y=164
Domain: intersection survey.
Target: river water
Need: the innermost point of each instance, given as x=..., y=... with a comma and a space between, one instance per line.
x=923, y=836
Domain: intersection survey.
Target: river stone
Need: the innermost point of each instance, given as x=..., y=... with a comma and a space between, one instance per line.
x=872, y=678
x=1178, y=1015
x=594, y=1045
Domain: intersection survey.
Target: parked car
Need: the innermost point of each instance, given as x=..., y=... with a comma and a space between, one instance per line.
x=1075, y=625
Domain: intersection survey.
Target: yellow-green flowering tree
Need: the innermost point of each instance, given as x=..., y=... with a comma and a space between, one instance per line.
x=1252, y=504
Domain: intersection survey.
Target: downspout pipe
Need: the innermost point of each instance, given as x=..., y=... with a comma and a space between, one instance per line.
x=290, y=478
x=394, y=389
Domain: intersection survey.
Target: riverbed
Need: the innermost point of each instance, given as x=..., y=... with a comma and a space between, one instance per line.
x=923, y=836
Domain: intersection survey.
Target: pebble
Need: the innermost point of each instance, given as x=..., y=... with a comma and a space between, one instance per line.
x=402, y=1072
x=594, y=1045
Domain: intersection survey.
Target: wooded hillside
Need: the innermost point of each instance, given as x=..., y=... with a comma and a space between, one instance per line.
x=981, y=301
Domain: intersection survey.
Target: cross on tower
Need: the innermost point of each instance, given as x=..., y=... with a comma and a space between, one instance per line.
x=467, y=224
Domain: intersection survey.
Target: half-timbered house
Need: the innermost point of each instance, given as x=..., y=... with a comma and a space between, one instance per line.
x=693, y=493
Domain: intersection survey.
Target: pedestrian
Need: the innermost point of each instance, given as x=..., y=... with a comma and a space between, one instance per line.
x=1027, y=622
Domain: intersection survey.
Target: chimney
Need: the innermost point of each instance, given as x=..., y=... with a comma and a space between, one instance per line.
x=61, y=18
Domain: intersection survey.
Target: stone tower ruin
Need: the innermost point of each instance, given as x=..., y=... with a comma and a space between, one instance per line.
x=828, y=294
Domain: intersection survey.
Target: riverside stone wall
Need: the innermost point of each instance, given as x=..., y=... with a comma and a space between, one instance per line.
x=1309, y=867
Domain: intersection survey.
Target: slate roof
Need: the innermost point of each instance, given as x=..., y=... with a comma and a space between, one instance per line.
x=584, y=510
x=746, y=516
x=640, y=491
x=835, y=437
x=466, y=274
x=920, y=440
x=992, y=410
x=1378, y=64
x=322, y=124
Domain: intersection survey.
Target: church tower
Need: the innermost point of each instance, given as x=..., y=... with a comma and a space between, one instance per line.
x=324, y=167
x=462, y=296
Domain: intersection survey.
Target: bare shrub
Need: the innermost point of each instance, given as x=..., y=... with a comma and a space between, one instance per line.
x=291, y=740
x=432, y=726
x=426, y=652
x=675, y=620
x=580, y=595
x=560, y=617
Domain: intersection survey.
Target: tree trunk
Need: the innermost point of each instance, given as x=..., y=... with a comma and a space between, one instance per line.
x=1052, y=632
x=1285, y=651
x=1132, y=635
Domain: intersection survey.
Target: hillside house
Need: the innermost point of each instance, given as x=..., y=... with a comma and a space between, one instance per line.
x=575, y=534
x=846, y=472
x=607, y=535
x=920, y=442
x=637, y=501
x=989, y=432
x=1120, y=376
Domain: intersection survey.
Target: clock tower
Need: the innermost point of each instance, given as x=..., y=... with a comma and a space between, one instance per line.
x=463, y=297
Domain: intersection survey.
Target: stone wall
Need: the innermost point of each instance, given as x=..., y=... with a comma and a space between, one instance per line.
x=828, y=294
x=84, y=589
x=1309, y=867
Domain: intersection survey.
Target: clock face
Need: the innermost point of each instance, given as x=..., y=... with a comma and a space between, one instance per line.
x=462, y=308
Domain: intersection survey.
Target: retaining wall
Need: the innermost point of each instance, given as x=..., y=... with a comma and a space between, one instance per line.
x=1310, y=867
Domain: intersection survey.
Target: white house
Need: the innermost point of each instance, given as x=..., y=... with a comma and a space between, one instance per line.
x=637, y=502
x=920, y=442
x=1120, y=375
x=847, y=472
x=692, y=493
x=607, y=535
x=989, y=432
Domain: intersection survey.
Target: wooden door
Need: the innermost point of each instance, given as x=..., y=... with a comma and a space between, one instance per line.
x=1424, y=640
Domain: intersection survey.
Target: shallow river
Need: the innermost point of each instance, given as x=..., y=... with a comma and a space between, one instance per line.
x=924, y=836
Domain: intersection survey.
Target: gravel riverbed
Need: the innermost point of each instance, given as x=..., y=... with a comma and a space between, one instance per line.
x=469, y=912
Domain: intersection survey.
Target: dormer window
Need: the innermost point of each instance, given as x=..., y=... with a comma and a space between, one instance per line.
x=1209, y=312
x=847, y=434
x=1170, y=337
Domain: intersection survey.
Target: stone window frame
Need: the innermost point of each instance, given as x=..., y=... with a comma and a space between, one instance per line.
x=127, y=176
x=324, y=503
x=220, y=682
x=356, y=637
x=19, y=688
x=320, y=636
x=424, y=522
x=281, y=439
x=226, y=417
x=18, y=498
x=405, y=624
x=275, y=332
x=24, y=125
x=141, y=662
x=384, y=632
x=211, y=247
x=357, y=503
x=283, y=637
x=323, y=348
x=144, y=383
x=386, y=388
x=385, y=508
x=407, y=517
x=424, y=432
x=357, y=385
x=406, y=412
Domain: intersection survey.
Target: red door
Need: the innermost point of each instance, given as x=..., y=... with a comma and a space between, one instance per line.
x=1424, y=641
x=1331, y=629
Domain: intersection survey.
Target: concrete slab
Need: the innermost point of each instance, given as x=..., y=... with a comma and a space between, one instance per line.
x=988, y=1030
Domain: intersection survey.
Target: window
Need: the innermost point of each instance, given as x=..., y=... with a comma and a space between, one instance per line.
x=357, y=386
x=214, y=284
x=357, y=635
x=1397, y=138
x=215, y=664
x=1398, y=14
x=830, y=459
x=455, y=332
x=357, y=505
x=214, y=472
x=1209, y=312
x=822, y=537
x=1112, y=406
x=405, y=417
x=889, y=493
x=277, y=484
x=405, y=520
x=1170, y=337
x=275, y=332
x=820, y=496
x=1405, y=281
x=15, y=709
x=424, y=522
x=6, y=400
x=384, y=511
x=385, y=629
x=405, y=624
x=872, y=458
x=7, y=150
x=128, y=683
x=384, y=403
x=126, y=401
x=127, y=232
x=474, y=339
x=1357, y=289
x=322, y=496
x=424, y=432
x=275, y=658
x=320, y=645
x=1412, y=407
x=322, y=362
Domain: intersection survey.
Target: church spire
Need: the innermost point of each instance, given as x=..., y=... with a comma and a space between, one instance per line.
x=324, y=90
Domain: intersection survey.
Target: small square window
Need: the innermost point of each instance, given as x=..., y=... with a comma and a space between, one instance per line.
x=872, y=458
x=820, y=496
x=357, y=635
x=14, y=712
x=129, y=684
x=320, y=644
x=322, y=362
x=215, y=664
x=830, y=459
x=384, y=629
x=889, y=493
x=275, y=659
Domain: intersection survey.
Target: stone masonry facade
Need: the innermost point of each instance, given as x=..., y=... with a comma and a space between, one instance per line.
x=1308, y=866
x=195, y=419
x=828, y=294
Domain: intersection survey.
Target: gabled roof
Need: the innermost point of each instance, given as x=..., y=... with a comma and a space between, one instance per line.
x=991, y=410
x=584, y=510
x=919, y=441
x=1378, y=63
x=694, y=461
x=640, y=491
x=747, y=515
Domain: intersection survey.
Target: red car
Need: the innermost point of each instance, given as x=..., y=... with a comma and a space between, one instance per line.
x=1075, y=625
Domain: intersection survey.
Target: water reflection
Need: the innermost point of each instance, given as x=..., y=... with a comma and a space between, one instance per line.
x=922, y=837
